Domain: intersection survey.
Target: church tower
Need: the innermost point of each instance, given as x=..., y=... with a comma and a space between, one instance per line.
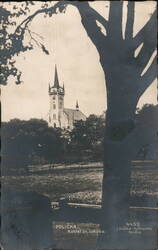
x=56, y=94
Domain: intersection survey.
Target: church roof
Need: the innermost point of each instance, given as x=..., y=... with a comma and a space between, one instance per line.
x=74, y=114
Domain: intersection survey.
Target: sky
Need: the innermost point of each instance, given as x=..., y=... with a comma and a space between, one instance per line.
x=77, y=63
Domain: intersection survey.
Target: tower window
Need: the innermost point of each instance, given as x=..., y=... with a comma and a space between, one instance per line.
x=60, y=104
x=54, y=116
x=54, y=106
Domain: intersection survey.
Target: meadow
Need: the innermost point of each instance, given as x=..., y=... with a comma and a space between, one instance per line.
x=82, y=182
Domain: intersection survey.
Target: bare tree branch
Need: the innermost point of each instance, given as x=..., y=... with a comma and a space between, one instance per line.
x=98, y=17
x=130, y=20
x=144, y=56
x=148, y=77
x=148, y=30
x=52, y=9
x=88, y=19
x=90, y=25
x=115, y=19
x=148, y=36
x=61, y=3
x=41, y=37
x=32, y=38
x=90, y=12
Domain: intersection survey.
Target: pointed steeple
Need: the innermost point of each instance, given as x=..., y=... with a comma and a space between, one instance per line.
x=56, y=81
x=77, y=106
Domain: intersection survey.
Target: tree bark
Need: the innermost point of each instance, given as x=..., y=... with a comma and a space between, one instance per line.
x=118, y=152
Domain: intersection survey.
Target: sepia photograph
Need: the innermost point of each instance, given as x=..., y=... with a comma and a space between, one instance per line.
x=79, y=125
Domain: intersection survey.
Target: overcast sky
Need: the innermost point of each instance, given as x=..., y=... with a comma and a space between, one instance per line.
x=77, y=64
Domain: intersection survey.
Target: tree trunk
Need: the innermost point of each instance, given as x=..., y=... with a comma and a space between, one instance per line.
x=117, y=163
x=116, y=189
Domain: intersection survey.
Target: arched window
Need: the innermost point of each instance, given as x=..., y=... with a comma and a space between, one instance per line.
x=54, y=97
x=54, y=125
x=54, y=116
x=54, y=106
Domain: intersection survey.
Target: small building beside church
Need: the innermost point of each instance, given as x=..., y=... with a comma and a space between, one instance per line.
x=59, y=116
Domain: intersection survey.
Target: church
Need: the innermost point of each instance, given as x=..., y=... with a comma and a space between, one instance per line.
x=59, y=116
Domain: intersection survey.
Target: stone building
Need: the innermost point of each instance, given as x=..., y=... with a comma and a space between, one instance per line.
x=59, y=116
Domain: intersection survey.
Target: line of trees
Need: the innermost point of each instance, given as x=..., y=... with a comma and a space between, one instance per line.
x=89, y=134
x=33, y=142
x=29, y=142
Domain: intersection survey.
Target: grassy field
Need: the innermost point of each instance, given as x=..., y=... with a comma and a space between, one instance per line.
x=82, y=182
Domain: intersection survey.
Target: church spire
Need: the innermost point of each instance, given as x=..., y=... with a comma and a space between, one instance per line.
x=77, y=106
x=56, y=81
